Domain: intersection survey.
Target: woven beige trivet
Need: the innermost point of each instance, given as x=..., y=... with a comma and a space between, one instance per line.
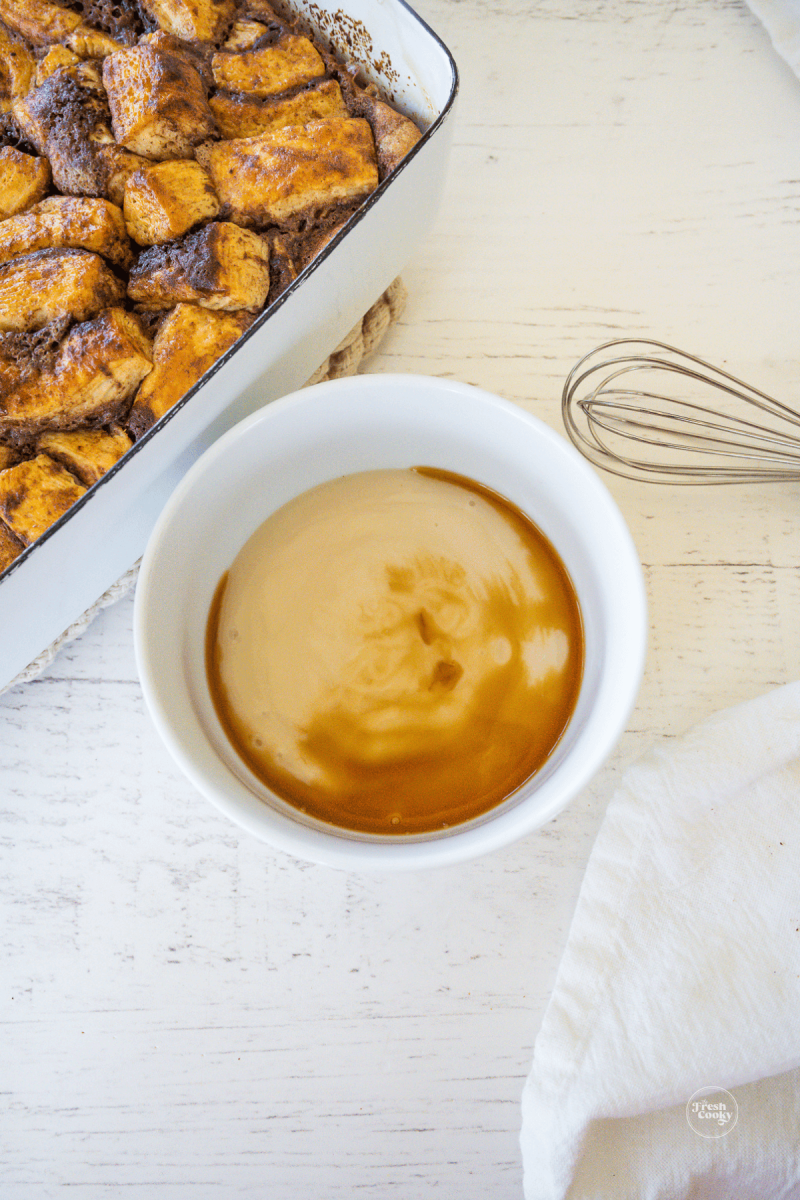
x=346, y=359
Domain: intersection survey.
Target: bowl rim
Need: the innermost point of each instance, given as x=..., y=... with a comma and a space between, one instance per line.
x=339, y=848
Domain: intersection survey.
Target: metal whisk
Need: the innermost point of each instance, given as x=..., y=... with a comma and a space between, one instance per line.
x=646, y=411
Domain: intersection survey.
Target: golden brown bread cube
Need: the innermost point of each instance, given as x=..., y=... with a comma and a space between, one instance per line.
x=91, y=43
x=192, y=20
x=42, y=287
x=67, y=120
x=196, y=53
x=97, y=370
x=17, y=69
x=57, y=56
x=24, y=179
x=244, y=34
x=189, y=341
x=34, y=494
x=117, y=166
x=34, y=112
x=164, y=200
x=10, y=547
x=241, y=117
x=44, y=24
x=394, y=134
x=8, y=457
x=268, y=179
x=291, y=62
x=158, y=102
x=41, y=23
x=79, y=222
x=86, y=453
x=221, y=266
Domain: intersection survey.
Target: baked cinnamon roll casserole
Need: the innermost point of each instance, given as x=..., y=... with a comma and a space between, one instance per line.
x=167, y=169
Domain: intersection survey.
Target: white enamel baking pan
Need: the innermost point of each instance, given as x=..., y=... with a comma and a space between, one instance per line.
x=54, y=581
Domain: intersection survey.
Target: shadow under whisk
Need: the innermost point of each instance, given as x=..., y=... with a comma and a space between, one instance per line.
x=648, y=411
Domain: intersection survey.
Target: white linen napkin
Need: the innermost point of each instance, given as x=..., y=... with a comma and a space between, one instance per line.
x=781, y=19
x=681, y=973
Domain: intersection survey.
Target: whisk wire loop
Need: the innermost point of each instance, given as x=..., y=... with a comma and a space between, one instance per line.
x=611, y=415
x=685, y=440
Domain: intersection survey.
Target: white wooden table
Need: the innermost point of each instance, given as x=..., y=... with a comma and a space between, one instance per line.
x=188, y=1014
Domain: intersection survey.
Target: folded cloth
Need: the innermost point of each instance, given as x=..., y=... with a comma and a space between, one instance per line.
x=781, y=19
x=681, y=975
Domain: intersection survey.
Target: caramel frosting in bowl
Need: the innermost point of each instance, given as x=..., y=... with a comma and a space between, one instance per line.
x=395, y=651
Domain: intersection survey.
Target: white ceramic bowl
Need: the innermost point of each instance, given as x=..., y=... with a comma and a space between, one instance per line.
x=360, y=424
